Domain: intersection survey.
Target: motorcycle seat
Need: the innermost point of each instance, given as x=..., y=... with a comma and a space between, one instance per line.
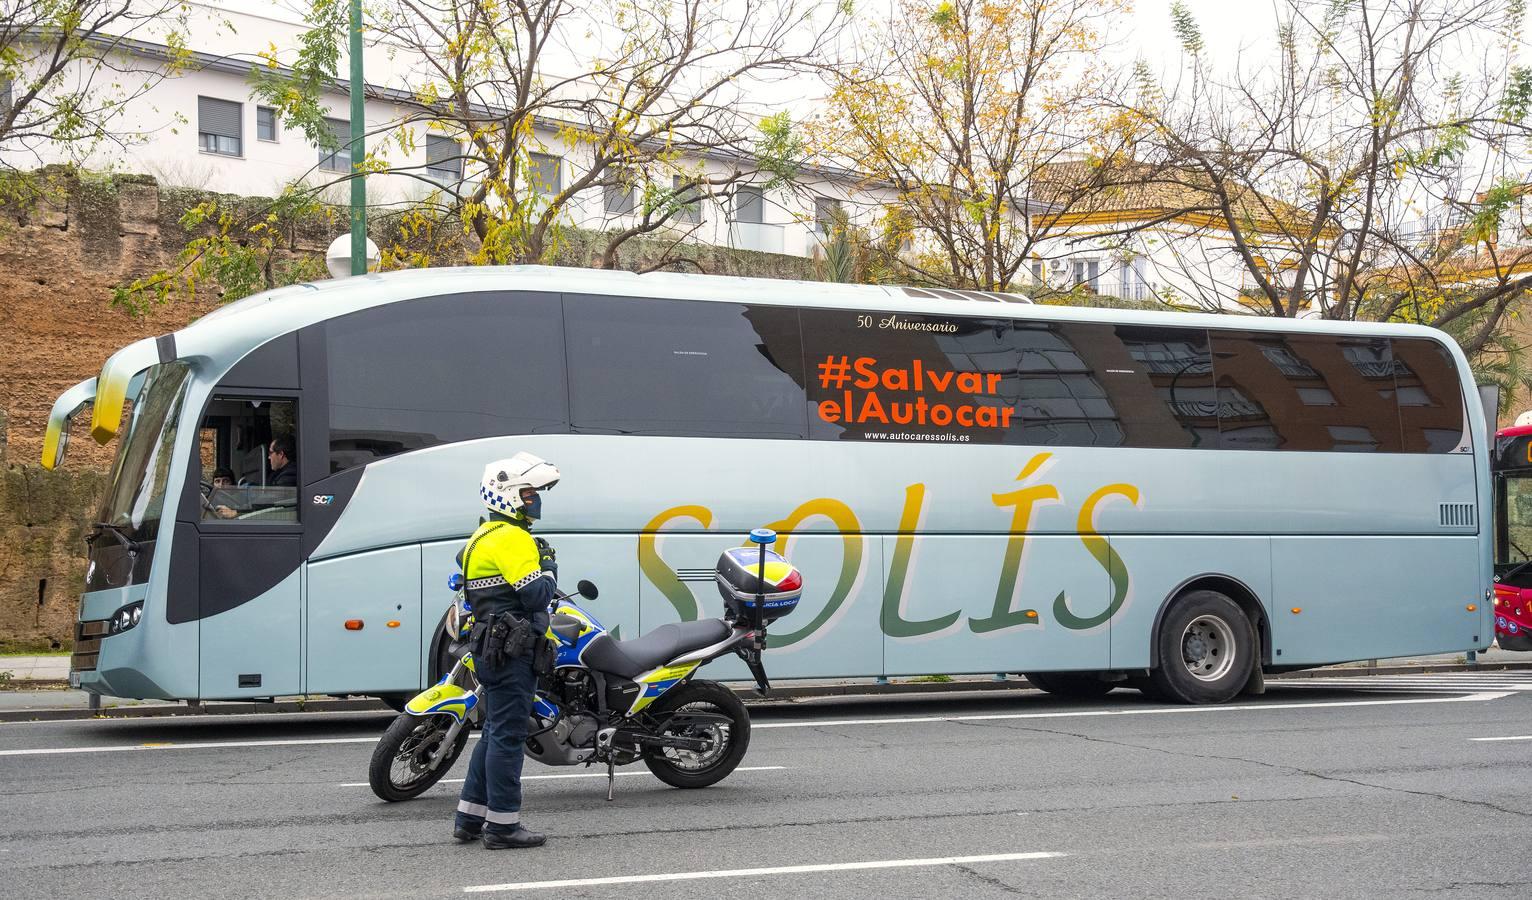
x=631, y=658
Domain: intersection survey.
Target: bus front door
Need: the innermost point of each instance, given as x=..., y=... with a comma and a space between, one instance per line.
x=249, y=549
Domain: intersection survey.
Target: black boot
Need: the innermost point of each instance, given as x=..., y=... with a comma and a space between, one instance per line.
x=465, y=834
x=520, y=839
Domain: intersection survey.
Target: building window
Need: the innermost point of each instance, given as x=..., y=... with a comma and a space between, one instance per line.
x=1087, y=272
x=218, y=126
x=338, y=160
x=689, y=196
x=828, y=215
x=5, y=95
x=265, y=124
x=546, y=172
x=749, y=206
x=617, y=195
x=444, y=159
x=1037, y=273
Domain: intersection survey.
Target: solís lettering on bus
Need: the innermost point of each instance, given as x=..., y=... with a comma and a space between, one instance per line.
x=1023, y=500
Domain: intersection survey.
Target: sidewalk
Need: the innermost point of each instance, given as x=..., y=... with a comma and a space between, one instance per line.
x=37, y=690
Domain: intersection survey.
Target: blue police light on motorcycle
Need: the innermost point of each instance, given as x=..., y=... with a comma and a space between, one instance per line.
x=763, y=536
x=455, y=583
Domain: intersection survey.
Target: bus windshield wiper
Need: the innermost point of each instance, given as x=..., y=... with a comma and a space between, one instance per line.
x=117, y=531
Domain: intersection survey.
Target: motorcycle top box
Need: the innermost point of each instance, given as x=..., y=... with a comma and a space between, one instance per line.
x=738, y=576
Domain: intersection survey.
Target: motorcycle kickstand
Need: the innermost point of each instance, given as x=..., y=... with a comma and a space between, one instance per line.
x=604, y=741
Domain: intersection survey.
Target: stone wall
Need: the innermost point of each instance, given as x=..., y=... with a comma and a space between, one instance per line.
x=59, y=260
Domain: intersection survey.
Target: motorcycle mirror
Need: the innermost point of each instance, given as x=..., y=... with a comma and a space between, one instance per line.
x=587, y=590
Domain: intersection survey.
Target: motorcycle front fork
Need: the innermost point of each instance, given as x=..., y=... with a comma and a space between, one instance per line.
x=457, y=724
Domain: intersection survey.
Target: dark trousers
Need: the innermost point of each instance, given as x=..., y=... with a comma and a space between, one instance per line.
x=491, y=795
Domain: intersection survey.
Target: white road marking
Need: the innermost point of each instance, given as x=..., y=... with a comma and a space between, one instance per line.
x=1152, y=711
x=206, y=745
x=819, y=723
x=1440, y=682
x=1518, y=737
x=771, y=870
x=353, y=784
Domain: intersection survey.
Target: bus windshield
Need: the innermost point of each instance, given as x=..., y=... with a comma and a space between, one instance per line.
x=142, y=471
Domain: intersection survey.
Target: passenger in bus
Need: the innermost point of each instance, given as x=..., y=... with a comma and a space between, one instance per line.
x=223, y=480
x=283, y=459
x=509, y=585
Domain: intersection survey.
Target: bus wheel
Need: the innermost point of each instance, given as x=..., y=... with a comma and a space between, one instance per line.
x=1206, y=648
x=1079, y=685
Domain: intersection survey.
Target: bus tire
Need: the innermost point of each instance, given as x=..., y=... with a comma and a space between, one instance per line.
x=1206, y=649
x=1076, y=685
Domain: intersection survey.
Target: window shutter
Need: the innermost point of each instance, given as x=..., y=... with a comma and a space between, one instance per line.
x=749, y=207
x=440, y=152
x=546, y=173
x=340, y=129
x=220, y=117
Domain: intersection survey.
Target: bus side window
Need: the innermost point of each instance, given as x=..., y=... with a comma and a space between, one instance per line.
x=250, y=461
x=1430, y=396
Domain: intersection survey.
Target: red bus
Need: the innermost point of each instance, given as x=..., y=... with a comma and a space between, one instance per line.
x=1513, y=538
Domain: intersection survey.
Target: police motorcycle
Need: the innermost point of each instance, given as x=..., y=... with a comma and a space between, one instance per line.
x=601, y=700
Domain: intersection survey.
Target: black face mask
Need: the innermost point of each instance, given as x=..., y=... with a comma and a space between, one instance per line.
x=532, y=509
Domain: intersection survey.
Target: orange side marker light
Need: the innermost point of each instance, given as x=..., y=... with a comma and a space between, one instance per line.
x=394, y=624
x=353, y=624
x=1297, y=610
x=1472, y=607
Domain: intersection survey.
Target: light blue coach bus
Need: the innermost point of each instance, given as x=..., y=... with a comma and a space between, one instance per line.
x=1094, y=498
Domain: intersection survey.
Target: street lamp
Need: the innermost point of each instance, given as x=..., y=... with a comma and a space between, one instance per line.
x=341, y=261
x=360, y=252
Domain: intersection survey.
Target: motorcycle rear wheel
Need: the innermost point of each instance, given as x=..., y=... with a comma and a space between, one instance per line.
x=693, y=769
x=400, y=763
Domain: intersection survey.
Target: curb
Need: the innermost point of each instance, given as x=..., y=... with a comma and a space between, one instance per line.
x=746, y=693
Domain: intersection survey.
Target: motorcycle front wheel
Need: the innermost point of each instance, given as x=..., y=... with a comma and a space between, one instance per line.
x=700, y=768
x=401, y=763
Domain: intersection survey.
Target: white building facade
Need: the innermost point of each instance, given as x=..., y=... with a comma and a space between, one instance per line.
x=204, y=128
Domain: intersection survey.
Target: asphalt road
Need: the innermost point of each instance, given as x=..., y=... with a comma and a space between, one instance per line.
x=1314, y=790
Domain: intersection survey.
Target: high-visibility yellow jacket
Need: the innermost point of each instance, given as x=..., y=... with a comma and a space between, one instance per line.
x=505, y=573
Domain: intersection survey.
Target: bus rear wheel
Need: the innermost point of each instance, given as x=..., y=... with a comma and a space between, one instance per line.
x=1078, y=685
x=1206, y=649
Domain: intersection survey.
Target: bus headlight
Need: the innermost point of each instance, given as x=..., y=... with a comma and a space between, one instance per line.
x=126, y=618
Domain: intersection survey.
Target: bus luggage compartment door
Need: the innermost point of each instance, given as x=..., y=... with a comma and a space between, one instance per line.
x=363, y=623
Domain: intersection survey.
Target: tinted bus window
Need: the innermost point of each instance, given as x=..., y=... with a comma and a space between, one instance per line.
x=1062, y=401
x=1430, y=396
x=411, y=375
x=903, y=377
x=684, y=368
x=1163, y=383
x=1304, y=392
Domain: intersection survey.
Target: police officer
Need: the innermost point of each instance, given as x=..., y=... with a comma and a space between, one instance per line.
x=510, y=583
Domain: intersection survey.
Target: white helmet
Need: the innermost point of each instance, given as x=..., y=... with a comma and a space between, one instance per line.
x=504, y=479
